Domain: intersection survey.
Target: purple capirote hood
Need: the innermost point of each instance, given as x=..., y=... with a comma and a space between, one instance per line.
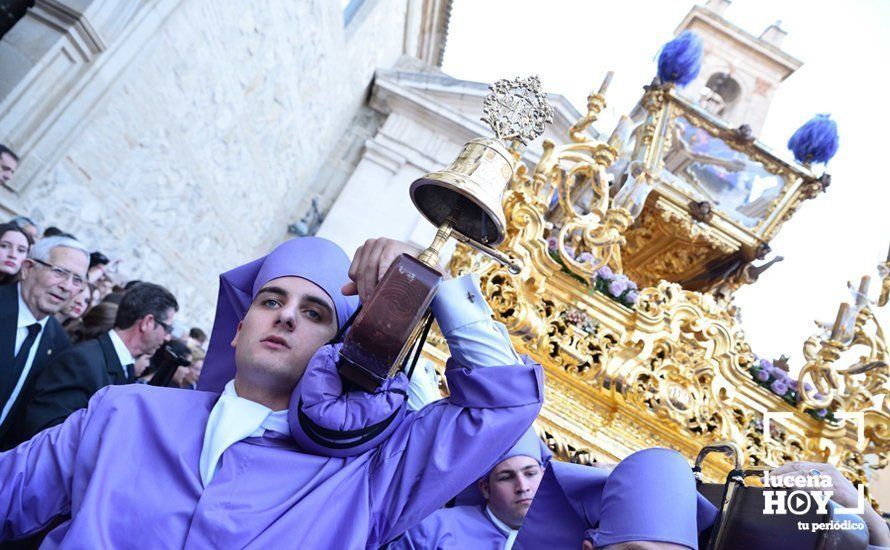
x=317, y=260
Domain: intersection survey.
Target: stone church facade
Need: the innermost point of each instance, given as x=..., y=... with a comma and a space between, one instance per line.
x=184, y=136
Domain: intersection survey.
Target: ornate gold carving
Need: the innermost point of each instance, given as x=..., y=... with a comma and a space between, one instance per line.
x=673, y=371
x=666, y=243
x=859, y=386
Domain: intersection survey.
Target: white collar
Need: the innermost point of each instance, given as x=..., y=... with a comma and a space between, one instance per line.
x=123, y=354
x=26, y=318
x=232, y=419
x=276, y=421
x=508, y=531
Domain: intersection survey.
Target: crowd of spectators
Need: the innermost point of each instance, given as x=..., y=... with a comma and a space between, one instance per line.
x=70, y=316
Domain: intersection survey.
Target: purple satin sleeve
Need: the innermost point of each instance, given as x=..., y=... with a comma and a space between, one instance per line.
x=36, y=476
x=320, y=398
x=437, y=451
x=465, y=320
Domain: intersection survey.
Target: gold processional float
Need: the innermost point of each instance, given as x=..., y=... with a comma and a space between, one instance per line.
x=631, y=251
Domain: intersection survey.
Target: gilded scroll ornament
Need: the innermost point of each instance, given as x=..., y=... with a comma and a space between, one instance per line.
x=674, y=370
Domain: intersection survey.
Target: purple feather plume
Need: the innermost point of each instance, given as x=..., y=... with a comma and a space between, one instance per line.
x=680, y=59
x=816, y=141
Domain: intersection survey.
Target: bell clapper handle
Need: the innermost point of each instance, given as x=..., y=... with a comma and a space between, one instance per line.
x=430, y=256
x=512, y=265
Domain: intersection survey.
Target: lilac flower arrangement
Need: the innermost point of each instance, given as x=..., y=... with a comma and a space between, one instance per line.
x=553, y=249
x=777, y=380
x=615, y=286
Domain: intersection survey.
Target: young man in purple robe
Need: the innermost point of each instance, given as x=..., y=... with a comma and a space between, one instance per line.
x=490, y=512
x=165, y=468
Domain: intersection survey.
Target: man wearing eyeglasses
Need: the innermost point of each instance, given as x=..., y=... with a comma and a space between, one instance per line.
x=29, y=335
x=144, y=322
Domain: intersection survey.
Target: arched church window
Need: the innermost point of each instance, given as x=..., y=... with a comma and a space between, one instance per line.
x=720, y=94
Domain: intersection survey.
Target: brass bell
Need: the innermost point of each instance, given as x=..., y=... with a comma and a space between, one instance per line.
x=469, y=191
x=464, y=200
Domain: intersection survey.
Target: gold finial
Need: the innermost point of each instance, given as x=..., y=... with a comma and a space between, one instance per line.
x=596, y=102
x=517, y=110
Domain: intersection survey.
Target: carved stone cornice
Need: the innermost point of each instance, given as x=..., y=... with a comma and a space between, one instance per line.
x=65, y=58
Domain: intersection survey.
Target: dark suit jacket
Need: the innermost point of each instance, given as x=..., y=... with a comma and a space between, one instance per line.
x=53, y=340
x=68, y=383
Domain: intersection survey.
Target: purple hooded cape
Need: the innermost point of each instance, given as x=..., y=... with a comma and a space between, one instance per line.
x=458, y=528
x=312, y=258
x=648, y=496
x=126, y=469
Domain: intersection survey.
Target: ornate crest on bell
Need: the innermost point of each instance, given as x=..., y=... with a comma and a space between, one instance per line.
x=464, y=199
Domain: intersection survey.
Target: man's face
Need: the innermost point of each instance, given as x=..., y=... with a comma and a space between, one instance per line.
x=46, y=289
x=510, y=488
x=7, y=167
x=95, y=273
x=105, y=286
x=33, y=231
x=154, y=333
x=13, y=250
x=287, y=322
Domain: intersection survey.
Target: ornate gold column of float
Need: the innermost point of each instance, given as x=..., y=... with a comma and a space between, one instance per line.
x=692, y=206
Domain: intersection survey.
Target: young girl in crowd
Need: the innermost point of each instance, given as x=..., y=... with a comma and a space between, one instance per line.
x=14, y=246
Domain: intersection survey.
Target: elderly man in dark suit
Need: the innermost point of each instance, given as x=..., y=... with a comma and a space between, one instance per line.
x=144, y=322
x=29, y=335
